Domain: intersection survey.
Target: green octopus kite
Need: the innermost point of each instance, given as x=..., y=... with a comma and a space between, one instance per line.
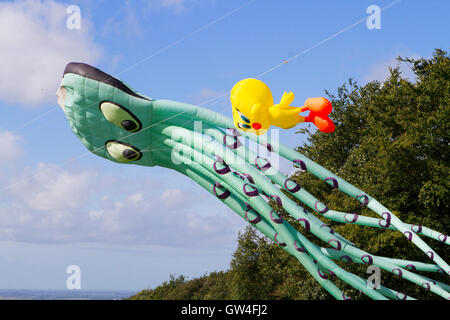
x=117, y=123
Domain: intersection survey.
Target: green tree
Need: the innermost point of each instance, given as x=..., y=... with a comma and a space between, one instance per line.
x=261, y=270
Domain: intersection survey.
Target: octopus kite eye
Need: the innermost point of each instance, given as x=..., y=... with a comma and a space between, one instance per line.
x=123, y=152
x=129, y=125
x=243, y=125
x=120, y=116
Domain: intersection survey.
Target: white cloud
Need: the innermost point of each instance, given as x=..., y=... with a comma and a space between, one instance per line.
x=174, y=197
x=62, y=205
x=36, y=46
x=95, y=214
x=380, y=70
x=49, y=188
x=9, y=144
x=126, y=23
x=135, y=197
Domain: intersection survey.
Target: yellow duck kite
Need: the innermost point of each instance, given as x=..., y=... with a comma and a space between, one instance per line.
x=254, y=110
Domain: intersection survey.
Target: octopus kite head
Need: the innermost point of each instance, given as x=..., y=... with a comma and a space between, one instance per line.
x=106, y=115
x=250, y=100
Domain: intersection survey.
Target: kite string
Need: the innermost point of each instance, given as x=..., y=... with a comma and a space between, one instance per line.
x=187, y=36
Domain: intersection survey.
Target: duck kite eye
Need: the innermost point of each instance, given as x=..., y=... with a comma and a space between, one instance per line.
x=120, y=116
x=122, y=152
x=244, y=118
x=243, y=126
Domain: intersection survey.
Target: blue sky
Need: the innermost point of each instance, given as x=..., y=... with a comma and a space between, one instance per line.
x=60, y=205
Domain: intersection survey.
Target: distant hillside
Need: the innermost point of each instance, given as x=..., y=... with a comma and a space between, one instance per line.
x=214, y=286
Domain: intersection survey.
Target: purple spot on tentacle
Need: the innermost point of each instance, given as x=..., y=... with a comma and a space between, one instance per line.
x=264, y=194
x=237, y=174
x=249, y=177
x=411, y=267
x=408, y=235
x=430, y=255
x=236, y=144
x=268, y=146
x=307, y=225
x=397, y=272
x=442, y=237
x=234, y=132
x=299, y=249
x=282, y=243
x=226, y=169
x=367, y=259
x=277, y=199
x=226, y=193
x=400, y=296
x=324, y=210
x=255, y=220
x=219, y=159
x=253, y=191
x=332, y=274
x=440, y=270
x=346, y=258
x=426, y=286
x=365, y=198
x=334, y=182
x=337, y=246
x=345, y=297
x=418, y=229
x=387, y=220
x=293, y=189
x=276, y=220
x=327, y=226
x=300, y=164
x=265, y=167
x=322, y=275
x=353, y=219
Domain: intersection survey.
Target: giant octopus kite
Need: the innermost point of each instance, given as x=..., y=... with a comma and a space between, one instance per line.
x=119, y=124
